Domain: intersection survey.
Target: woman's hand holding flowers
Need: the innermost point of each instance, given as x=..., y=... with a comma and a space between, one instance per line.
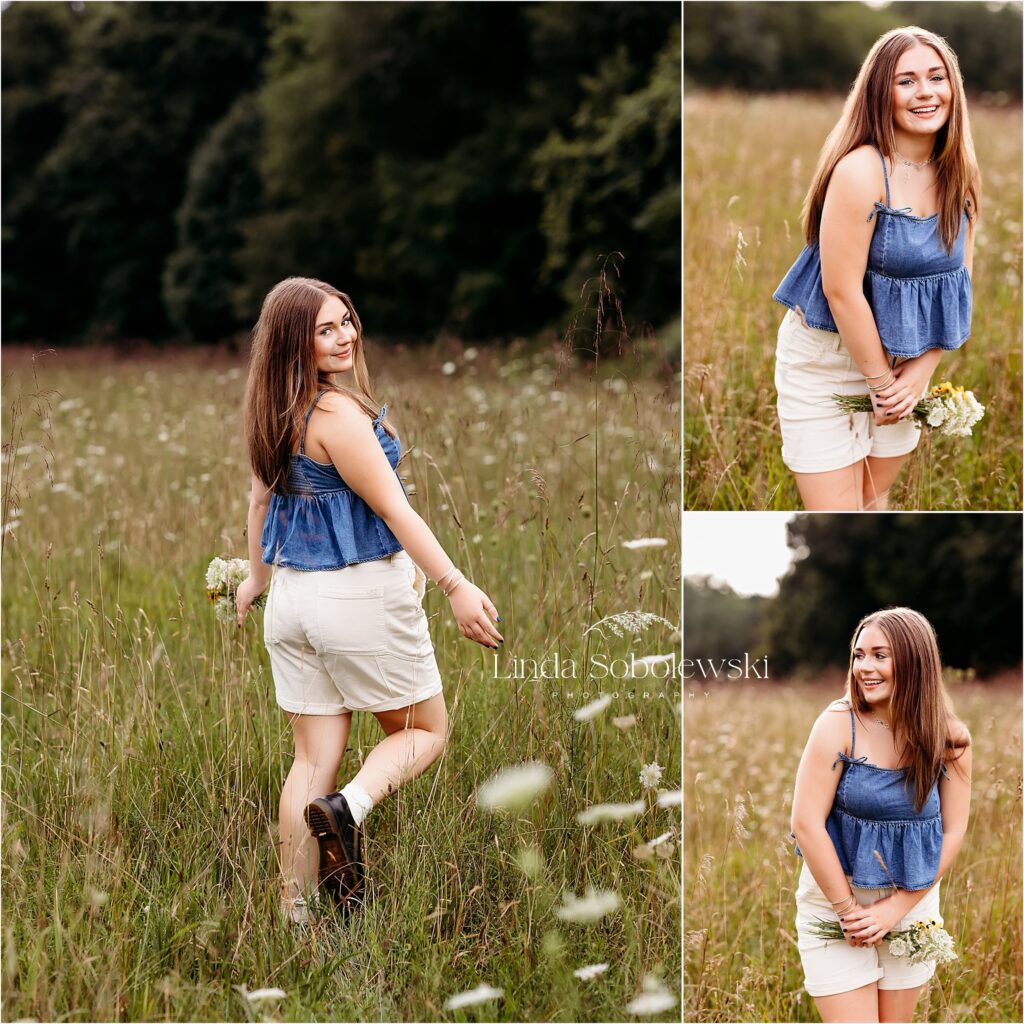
x=868, y=926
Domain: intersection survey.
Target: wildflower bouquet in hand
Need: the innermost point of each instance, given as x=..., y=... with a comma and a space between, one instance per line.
x=950, y=410
x=223, y=578
x=923, y=941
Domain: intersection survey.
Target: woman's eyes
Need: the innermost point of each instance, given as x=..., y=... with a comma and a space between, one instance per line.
x=344, y=323
x=935, y=78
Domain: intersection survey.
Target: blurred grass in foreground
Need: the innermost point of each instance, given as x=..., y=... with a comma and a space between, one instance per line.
x=144, y=753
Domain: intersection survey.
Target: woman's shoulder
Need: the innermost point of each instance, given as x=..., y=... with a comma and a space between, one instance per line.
x=338, y=403
x=842, y=704
x=860, y=170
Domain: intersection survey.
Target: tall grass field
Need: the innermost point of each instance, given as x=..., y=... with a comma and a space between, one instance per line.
x=748, y=162
x=743, y=745
x=143, y=752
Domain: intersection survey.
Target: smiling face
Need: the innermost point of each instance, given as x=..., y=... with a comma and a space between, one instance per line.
x=335, y=337
x=872, y=667
x=921, y=93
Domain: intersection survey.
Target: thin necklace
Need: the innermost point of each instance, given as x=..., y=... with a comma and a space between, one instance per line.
x=914, y=163
x=880, y=722
x=907, y=164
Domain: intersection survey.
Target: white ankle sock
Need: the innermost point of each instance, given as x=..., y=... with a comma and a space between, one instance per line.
x=360, y=803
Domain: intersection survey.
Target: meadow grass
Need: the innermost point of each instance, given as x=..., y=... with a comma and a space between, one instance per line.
x=748, y=161
x=144, y=754
x=743, y=745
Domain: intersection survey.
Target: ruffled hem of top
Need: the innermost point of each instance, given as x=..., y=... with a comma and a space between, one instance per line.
x=921, y=313
x=907, y=847
x=324, y=531
x=801, y=291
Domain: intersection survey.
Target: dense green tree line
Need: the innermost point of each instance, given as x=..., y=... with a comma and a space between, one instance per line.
x=771, y=46
x=453, y=166
x=961, y=570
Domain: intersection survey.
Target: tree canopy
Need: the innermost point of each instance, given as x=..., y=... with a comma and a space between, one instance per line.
x=452, y=166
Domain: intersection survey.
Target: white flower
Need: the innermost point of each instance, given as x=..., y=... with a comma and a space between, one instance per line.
x=265, y=995
x=592, y=907
x=936, y=415
x=449, y=368
x=610, y=812
x=481, y=994
x=224, y=609
x=650, y=775
x=644, y=542
x=670, y=798
x=655, y=998
x=215, y=574
x=590, y=971
x=898, y=947
x=591, y=710
x=514, y=788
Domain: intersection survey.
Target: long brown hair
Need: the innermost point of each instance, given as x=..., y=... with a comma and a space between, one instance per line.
x=283, y=376
x=867, y=119
x=920, y=712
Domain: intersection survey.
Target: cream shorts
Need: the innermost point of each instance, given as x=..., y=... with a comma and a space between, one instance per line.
x=352, y=639
x=811, y=366
x=833, y=965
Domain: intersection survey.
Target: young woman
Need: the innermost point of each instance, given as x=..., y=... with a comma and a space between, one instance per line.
x=343, y=622
x=883, y=285
x=878, y=834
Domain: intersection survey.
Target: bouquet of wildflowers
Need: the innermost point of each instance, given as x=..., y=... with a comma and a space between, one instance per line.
x=922, y=941
x=223, y=577
x=950, y=410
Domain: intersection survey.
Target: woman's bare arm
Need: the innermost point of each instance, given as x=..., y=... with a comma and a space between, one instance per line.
x=348, y=437
x=259, y=502
x=813, y=795
x=350, y=441
x=844, y=241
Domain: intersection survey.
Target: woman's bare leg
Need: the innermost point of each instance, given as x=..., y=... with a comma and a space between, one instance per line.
x=416, y=737
x=897, y=1004
x=879, y=475
x=860, y=1004
x=319, y=746
x=841, y=490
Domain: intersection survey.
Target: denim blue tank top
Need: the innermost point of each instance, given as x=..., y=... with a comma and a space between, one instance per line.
x=920, y=295
x=324, y=524
x=873, y=810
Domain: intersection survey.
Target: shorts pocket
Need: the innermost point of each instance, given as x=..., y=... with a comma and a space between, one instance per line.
x=269, y=633
x=351, y=621
x=418, y=580
x=799, y=345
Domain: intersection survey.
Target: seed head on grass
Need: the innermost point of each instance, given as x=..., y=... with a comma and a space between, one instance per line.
x=654, y=998
x=597, y=903
x=592, y=710
x=597, y=813
x=514, y=789
x=481, y=994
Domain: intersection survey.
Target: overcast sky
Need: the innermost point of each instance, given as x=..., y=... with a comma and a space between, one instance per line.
x=745, y=549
